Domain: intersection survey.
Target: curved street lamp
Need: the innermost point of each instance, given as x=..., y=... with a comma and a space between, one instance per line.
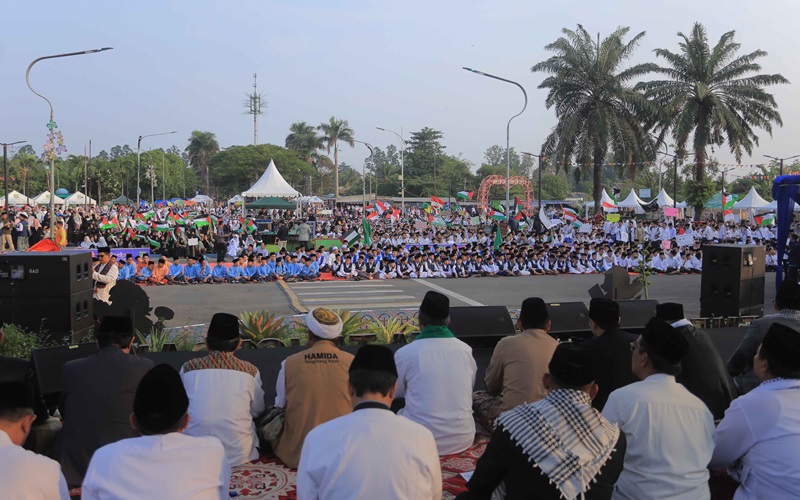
x=139, y=166
x=402, y=166
x=55, y=144
x=508, y=134
x=364, y=180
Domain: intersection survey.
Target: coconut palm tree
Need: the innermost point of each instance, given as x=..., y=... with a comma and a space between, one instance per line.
x=303, y=138
x=202, y=146
x=333, y=132
x=713, y=96
x=598, y=110
x=25, y=160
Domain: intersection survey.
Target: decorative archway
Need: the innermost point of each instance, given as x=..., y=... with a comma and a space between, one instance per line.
x=499, y=180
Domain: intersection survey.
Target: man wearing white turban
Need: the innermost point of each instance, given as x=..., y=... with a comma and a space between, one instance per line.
x=313, y=385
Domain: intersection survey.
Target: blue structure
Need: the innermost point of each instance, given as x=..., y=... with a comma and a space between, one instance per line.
x=786, y=191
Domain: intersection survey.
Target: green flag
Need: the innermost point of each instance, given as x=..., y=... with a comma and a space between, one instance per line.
x=367, y=233
x=498, y=239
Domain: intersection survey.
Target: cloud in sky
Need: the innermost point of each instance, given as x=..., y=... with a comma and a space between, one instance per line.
x=184, y=65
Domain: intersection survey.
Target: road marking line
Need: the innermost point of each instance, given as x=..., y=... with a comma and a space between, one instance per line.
x=445, y=291
x=375, y=307
x=359, y=299
x=306, y=294
x=343, y=283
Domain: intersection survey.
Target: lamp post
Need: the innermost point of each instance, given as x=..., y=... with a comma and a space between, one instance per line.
x=364, y=181
x=723, y=178
x=5, y=166
x=139, y=166
x=55, y=144
x=508, y=134
x=402, y=166
x=541, y=159
x=781, y=160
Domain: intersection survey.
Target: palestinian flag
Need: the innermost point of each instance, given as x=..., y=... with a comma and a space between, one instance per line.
x=727, y=206
x=351, y=236
x=148, y=215
x=131, y=234
x=765, y=220
x=615, y=194
x=161, y=228
x=576, y=224
x=153, y=243
x=249, y=226
x=437, y=202
x=569, y=213
x=518, y=205
x=465, y=195
x=496, y=215
x=105, y=225
x=202, y=221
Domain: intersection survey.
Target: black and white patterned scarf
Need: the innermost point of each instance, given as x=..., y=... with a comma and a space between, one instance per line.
x=564, y=437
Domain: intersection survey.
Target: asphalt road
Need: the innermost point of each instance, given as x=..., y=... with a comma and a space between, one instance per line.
x=196, y=304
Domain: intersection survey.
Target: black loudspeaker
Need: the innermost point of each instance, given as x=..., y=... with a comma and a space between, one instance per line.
x=728, y=297
x=481, y=326
x=732, y=283
x=57, y=315
x=634, y=314
x=568, y=319
x=45, y=273
x=48, y=364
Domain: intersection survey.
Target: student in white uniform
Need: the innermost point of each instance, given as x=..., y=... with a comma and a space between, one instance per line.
x=225, y=392
x=24, y=475
x=164, y=462
x=758, y=440
x=348, y=457
x=436, y=374
x=669, y=430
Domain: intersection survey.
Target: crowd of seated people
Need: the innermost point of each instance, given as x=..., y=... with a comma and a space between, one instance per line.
x=616, y=416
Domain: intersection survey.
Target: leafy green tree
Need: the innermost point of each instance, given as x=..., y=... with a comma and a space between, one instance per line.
x=714, y=97
x=236, y=168
x=554, y=187
x=597, y=108
x=203, y=146
x=335, y=131
x=303, y=138
x=422, y=159
x=496, y=156
x=22, y=165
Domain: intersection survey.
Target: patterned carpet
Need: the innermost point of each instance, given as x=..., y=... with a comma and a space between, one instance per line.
x=268, y=479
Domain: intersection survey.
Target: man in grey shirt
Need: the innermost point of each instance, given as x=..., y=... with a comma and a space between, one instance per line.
x=303, y=234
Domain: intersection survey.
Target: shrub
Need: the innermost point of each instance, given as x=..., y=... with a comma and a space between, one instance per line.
x=261, y=325
x=18, y=342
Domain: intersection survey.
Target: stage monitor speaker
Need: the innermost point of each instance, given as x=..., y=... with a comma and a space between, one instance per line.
x=48, y=364
x=481, y=326
x=634, y=314
x=728, y=297
x=568, y=319
x=733, y=262
x=45, y=273
x=56, y=315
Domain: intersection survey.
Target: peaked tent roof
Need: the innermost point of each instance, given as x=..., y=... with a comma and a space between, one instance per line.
x=272, y=184
x=751, y=200
x=664, y=200
x=605, y=198
x=123, y=200
x=632, y=201
x=15, y=199
x=201, y=198
x=44, y=199
x=78, y=198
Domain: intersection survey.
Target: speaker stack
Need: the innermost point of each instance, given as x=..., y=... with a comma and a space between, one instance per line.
x=49, y=292
x=732, y=282
x=481, y=326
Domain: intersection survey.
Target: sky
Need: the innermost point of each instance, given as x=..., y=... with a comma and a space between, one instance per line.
x=187, y=65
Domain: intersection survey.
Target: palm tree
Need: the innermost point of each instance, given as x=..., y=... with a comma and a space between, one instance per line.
x=333, y=132
x=713, y=96
x=25, y=159
x=303, y=138
x=597, y=109
x=202, y=146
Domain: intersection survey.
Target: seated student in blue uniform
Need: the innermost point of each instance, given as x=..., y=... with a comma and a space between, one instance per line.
x=191, y=271
x=204, y=273
x=175, y=273
x=220, y=274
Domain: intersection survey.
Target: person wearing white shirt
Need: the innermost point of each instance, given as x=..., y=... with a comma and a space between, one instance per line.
x=24, y=475
x=163, y=462
x=659, y=263
x=436, y=374
x=758, y=440
x=669, y=430
x=349, y=456
x=225, y=392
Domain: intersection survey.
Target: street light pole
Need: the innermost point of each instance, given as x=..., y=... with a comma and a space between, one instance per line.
x=781, y=160
x=541, y=158
x=402, y=167
x=54, y=137
x=508, y=134
x=139, y=166
x=364, y=181
x=5, y=167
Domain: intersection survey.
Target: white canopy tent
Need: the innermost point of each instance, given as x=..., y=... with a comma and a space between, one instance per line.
x=632, y=201
x=751, y=201
x=236, y=199
x=664, y=200
x=78, y=198
x=16, y=199
x=605, y=198
x=271, y=184
x=201, y=198
x=44, y=199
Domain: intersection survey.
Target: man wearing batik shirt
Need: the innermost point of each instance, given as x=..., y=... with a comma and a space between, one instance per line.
x=558, y=447
x=225, y=392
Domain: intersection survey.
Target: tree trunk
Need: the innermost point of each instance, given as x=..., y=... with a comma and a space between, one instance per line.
x=336, y=171
x=700, y=177
x=597, y=177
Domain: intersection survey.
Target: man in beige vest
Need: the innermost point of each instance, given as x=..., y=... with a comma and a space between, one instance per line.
x=313, y=385
x=514, y=375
